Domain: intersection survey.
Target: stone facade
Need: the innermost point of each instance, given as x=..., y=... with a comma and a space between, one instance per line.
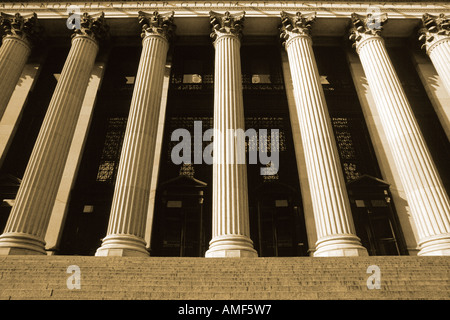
x=417, y=186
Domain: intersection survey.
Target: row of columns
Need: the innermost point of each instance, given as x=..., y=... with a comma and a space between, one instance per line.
x=430, y=205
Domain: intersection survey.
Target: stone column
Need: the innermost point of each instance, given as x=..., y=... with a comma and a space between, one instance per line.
x=126, y=228
x=19, y=32
x=27, y=224
x=335, y=229
x=10, y=120
x=429, y=203
x=436, y=36
x=61, y=207
x=231, y=227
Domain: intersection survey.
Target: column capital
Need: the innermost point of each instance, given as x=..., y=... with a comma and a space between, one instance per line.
x=23, y=27
x=365, y=27
x=92, y=26
x=294, y=25
x=157, y=24
x=226, y=24
x=435, y=29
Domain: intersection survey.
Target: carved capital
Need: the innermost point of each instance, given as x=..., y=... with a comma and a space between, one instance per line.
x=435, y=29
x=92, y=26
x=297, y=24
x=23, y=27
x=366, y=26
x=226, y=24
x=157, y=24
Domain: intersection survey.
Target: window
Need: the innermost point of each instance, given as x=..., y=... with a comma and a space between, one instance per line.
x=110, y=156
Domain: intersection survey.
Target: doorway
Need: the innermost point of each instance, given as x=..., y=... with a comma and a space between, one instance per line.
x=374, y=217
x=278, y=223
x=180, y=225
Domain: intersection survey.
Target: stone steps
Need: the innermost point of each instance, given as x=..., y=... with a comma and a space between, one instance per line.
x=305, y=278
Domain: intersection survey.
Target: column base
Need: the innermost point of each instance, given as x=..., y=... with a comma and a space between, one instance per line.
x=340, y=246
x=231, y=246
x=21, y=244
x=122, y=246
x=435, y=246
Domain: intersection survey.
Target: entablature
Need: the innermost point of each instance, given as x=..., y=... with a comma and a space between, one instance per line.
x=192, y=18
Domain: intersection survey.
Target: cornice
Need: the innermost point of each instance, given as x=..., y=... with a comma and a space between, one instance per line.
x=54, y=9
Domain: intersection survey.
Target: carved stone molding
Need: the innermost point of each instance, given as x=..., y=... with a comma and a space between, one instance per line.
x=157, y=24
x=436, y=28
x=226, y=24
x=92, y=26
x=365, y=27
x=297, y=24
x=24, y=27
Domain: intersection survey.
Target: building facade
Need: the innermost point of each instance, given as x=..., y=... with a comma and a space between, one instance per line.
x=122, y=128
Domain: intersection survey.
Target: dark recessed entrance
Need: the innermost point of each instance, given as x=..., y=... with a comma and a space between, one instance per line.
x=180, y=227
x=374, y=216
x=278, y=223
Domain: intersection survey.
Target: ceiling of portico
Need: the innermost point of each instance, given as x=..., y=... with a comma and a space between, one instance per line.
x=254, y=26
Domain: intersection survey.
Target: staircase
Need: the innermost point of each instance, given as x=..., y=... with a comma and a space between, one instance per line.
x=298, y=278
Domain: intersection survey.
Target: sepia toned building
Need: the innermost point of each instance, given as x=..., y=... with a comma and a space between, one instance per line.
x=354, y=95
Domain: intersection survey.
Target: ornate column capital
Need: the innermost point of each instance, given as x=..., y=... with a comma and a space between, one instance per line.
x=23, y=27
x=294, y=25
x=226, y=24
x=92, y=26
x=435, y=29
x=157, y=24
x=366, y=27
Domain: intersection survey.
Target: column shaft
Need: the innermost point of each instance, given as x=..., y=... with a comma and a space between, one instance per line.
x=11, y=118
x=125, y=234
x=14, y=53
x=231, y=228
x=440, y=56
x=30, y=214
x=436, y=36
x=62, y=201
x=426, y=196
x=19, y=33
x=334, y=223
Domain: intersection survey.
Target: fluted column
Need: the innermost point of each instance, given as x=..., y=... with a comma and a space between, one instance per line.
x=230, y=224
x=14, y=52
x=436, y=36
x=125, y=234
x=429, y=203
x=335, y=229
x=27, y=223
